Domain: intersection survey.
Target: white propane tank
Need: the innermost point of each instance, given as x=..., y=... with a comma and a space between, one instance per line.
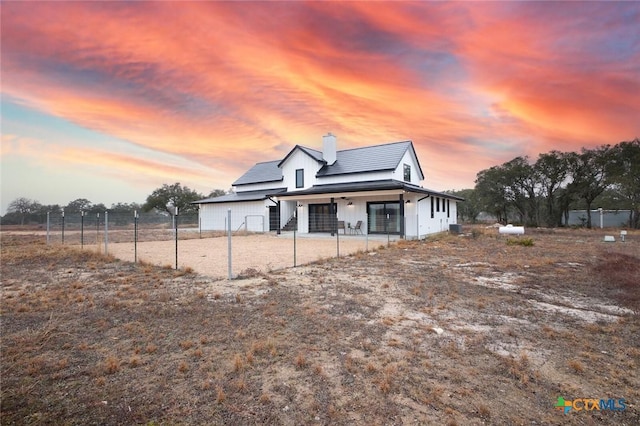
x=512, y=230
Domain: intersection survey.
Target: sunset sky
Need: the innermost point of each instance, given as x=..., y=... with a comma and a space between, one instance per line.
x=110, y=100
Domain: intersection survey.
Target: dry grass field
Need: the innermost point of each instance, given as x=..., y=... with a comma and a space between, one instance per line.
x=474, y=329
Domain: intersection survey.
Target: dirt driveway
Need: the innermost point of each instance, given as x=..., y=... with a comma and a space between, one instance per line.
x=261, y=252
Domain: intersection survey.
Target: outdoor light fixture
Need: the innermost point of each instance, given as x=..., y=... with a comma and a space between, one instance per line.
x=299, y=205
x=349, y=203
x=408, y=202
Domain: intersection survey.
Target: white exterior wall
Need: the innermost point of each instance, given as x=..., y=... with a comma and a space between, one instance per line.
x=454, y=212
x=299, y=160
x=258, y=186
x=419, y=223
x=398, y=173
x=254, y=213
x=356, y=177
x=411, y=216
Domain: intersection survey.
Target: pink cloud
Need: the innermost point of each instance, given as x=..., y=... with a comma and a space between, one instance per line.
x=225, y=85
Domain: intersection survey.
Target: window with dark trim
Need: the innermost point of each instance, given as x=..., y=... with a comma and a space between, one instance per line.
x=448, y=211
x=299, y=178
x=407, y=173
x=432, y=202
x=438, y=204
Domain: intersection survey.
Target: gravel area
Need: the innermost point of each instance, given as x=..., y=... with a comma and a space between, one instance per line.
x=261, y=252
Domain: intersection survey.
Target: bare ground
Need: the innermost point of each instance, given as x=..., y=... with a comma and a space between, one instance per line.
x=475, y=329
x=255, y=252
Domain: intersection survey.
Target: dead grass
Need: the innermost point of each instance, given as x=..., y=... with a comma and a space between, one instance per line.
x=88, y=339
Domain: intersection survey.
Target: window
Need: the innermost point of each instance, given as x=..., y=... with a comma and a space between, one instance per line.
x=432, y=202
x=438, y=204
x=299, y=178
x=448, y=211
x=407, y=173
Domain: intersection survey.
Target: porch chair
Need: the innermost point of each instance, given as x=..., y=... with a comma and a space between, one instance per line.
x=341, y=226
x=358, y=228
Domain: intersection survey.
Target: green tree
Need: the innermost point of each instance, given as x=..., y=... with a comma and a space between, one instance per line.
x=590, y=172
x=217, y=193
x=78, y=205
x=125, y=207
x=625, y=177
x=23, y=208
x=469, y=209
x=491, y=193
x=521, y=182
x=552, y=169
x=165, y=198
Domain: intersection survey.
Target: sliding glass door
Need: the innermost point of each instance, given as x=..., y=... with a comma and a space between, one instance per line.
x=384, y=217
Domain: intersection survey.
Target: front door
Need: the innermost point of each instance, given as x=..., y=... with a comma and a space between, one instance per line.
x=321, y=219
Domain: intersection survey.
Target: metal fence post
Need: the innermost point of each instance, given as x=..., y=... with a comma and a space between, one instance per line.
x=62, y=226
x=337, y=238
x=48, y=214
x=135, y=236
x=229, y=242
x=366, y=238
x=175, y=221
x=106, y=232
x=387, y=229
x=98, y=231
x=81, y=228
x=294, y=235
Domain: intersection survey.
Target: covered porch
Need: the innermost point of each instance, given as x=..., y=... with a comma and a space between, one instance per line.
x=369, y=208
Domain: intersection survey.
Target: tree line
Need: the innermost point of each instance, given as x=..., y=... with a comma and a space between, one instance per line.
x=162, y=201
x=542, y=193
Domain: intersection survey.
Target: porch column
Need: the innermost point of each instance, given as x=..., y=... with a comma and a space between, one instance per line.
x=402, y=216
x=279, y=218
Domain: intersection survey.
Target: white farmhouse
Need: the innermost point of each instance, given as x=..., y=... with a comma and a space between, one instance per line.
x=374, y=190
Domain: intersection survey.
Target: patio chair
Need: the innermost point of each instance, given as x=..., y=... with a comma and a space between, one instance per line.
x=358, y=228
x=341, y=226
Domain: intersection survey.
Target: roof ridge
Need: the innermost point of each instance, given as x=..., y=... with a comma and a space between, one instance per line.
x=265, y=162
x=310, y=149
x=376, y=146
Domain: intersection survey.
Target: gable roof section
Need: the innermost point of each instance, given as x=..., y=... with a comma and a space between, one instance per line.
x=370, y=159
x=316, y=155
x=260, y=173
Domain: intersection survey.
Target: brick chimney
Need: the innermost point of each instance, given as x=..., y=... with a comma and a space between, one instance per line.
x=329, y=148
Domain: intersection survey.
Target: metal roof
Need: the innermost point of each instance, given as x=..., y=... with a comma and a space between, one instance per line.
x=261, y=172
x=237, y=197
x=368, y=159
x=357, y=160
x=316, y=155
x=375, y=185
